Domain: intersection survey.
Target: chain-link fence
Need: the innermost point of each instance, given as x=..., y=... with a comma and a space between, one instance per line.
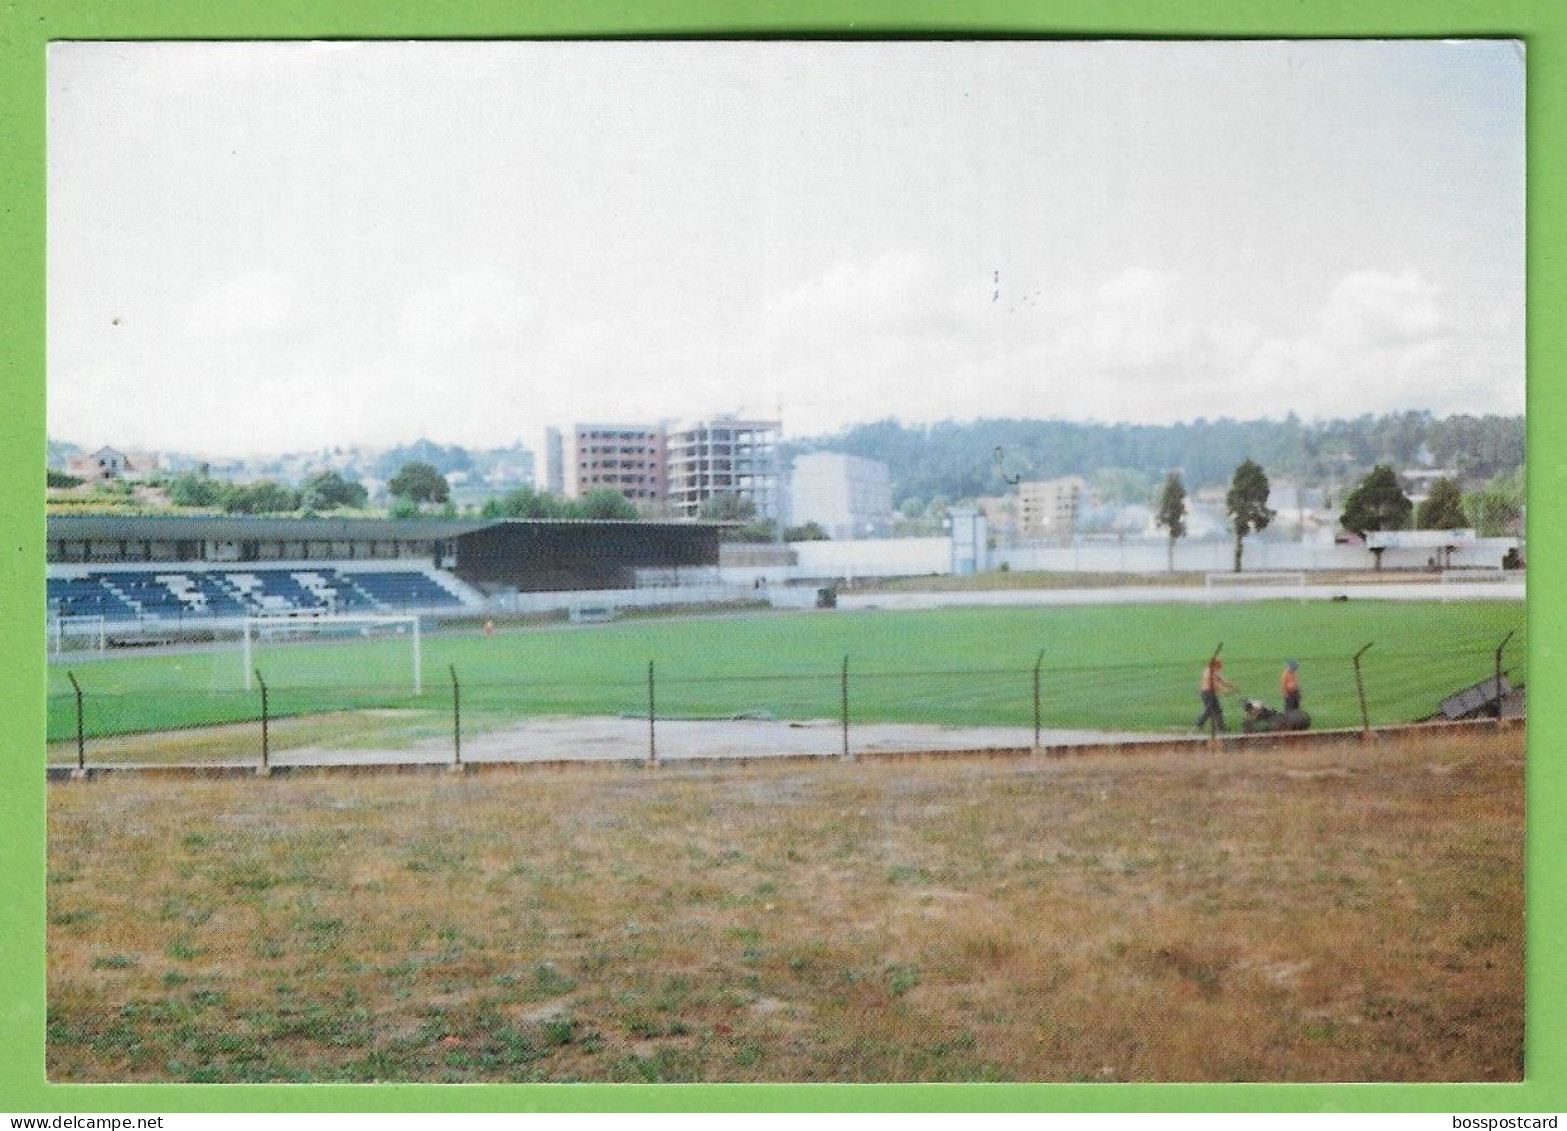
x=166, y=709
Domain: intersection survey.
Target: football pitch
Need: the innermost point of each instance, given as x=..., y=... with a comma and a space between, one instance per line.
x=1108, y=667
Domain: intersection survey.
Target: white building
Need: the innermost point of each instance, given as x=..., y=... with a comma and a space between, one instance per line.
x=1048, y=508
x=847, y=496
x=109, y=463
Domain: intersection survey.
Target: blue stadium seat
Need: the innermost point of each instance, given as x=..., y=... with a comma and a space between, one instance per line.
x=86, y=596
x=400, y=590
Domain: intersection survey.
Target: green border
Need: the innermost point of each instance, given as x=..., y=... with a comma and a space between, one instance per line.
x=26, y=26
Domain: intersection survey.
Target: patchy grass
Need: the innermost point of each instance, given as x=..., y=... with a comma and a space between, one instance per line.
x=1334, y=914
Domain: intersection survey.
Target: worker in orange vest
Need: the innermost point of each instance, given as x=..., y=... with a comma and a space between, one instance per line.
x=1289, y=685
x=1208, y=687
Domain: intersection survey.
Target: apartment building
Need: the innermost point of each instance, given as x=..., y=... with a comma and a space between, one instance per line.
x=1048, y=508
x=554, y=462
x=724, y=455
x=629, y=458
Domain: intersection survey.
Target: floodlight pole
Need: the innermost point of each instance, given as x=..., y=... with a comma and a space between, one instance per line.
x=81, y=745
x=1010, y=480
x=1360, y=688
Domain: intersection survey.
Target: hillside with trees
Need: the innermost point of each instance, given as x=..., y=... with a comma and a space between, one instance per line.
x=955, y=459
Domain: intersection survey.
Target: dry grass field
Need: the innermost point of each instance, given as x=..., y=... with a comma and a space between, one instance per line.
x=1331, y=914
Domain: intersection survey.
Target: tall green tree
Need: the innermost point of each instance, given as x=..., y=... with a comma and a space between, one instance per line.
x=260, y=497
x=419, y=482
x=1442, y=508
x=726, y=506
x=327, y=490
x=1171, y=512
x=1377, y=503
x=605, y=503
x=197, y=489
x=523, y=502
x=1247, y=502
x=809, y=532
x=1491, y=511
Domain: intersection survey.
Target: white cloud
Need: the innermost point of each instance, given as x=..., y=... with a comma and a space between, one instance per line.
x=467, y=308
x=255, y=302
x=1373, y=308
x=889, y=335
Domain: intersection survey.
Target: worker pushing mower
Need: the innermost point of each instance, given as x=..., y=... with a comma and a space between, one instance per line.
x=1260, y=718
x=1208, y=687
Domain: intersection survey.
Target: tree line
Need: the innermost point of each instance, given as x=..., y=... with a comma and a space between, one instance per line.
x=1377, y=502
x=953, y=460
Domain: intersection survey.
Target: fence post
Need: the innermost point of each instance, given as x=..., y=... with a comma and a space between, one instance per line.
x=1495, y=687
x=1213, y=720
x=456, y=719
x=1360, y=688
x=1039, y=661
x=266, y=767
x=845, y=696
x=652, y=717
x=81, y=744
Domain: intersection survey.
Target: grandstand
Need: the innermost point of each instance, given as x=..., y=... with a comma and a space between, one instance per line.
x=228, y=593
x=220, y=569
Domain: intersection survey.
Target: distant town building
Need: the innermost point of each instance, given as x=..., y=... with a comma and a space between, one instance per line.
x=1416, y=481
x=1048, y=508
x=847, y=496
x=110, y=463
x=629, y=458
x=724, y=455
x=513, y=469
x=554, y=462
x=1000, y=513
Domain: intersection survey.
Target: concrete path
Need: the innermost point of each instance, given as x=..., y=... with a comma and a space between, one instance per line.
x=1190, y=595
x=570, y=739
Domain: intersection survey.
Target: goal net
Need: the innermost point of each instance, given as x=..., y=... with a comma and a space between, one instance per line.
x=1293, y=580
x=263, y=630
x=85, y=633
x=1461, y=574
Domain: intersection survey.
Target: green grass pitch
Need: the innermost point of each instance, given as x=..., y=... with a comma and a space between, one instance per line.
x=1128, y=667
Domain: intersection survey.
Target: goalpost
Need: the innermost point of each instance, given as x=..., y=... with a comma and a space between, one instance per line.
x=89, y=631
x=1457, y=574
x=1464, y=574
x=265, y=628
x=1284, y=579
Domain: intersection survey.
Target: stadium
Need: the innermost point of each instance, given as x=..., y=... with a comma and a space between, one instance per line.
x=899, y=760
x=175, y=623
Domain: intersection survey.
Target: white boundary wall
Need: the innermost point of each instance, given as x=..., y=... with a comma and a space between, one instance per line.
x=573, y=601
x=852, y=558
x=909, y=557
x=1215, y=557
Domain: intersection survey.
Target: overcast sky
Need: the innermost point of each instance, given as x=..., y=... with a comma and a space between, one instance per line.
x=268, y=247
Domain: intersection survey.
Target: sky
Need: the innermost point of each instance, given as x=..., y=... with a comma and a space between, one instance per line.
x=267, y=247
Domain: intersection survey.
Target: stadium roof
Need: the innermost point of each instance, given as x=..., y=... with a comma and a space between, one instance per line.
x=234, y=528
